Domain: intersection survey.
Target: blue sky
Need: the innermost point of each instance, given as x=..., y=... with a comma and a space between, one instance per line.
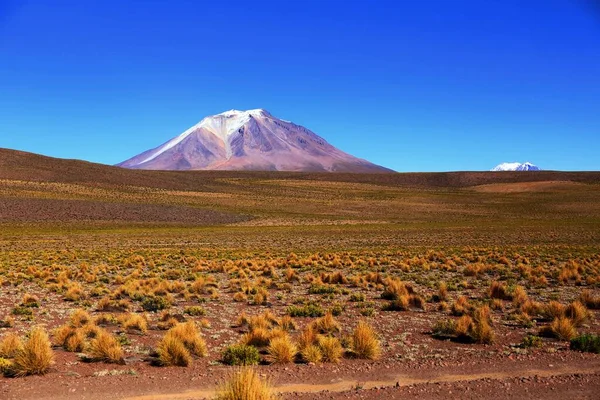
x=411, y=85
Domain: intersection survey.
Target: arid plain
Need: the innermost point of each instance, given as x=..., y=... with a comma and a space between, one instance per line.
x=159, y=285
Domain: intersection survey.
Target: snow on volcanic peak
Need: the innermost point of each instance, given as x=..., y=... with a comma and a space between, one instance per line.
x=222, y=125
x=249, y=140
x=515, y=166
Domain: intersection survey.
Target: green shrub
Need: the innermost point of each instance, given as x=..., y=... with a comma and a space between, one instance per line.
x=589, y=343
x=20, y=310
x=308, y=310
x=357, y=297
x=323, y=289
x=241, y=354
x=195, y=311
x=532, y=341
x=155, y=303
x=444, y=328
x=337, y=309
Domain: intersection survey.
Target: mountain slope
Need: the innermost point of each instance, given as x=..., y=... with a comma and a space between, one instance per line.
x=515, y=166
x=249, y=140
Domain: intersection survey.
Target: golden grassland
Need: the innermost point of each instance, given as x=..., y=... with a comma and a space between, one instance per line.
x=312, y=271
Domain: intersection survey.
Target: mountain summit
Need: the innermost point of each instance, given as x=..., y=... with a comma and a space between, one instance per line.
x=249, y=140
x=515, y=166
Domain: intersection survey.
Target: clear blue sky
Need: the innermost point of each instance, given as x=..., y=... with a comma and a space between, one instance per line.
x=411, y=85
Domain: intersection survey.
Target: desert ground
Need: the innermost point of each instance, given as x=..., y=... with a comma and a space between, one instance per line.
x=121, y=284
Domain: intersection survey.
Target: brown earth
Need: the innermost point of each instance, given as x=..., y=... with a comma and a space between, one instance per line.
x=90, y=225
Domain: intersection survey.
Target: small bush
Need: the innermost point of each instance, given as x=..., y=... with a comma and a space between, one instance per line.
x=331, y=348
x=400, y=303
x=195, y=311
x=312, y=354
x=532, y=341
x=287, y=323
x=577, y=313
x=172, y=352
x=281, y=350
x=241, y=355
x=36, y=356
x=6, y=366
x=589, y=300
x=245, y=384
x=364, y=342
x=106, y=348
x=357, y=297
x=307, y=337
x=561, y=328
x=589, y=343
x=135, y=322
x=30, y=301
x=444, y=328
x=258, y=337
x=498, y=291
x=80, y=318
x=188, y=334
x=327, y=324
x=21, y=310
x=10, y=346
x=308, y=310
x=553, y=310
x=155, y=303
x=461, y=306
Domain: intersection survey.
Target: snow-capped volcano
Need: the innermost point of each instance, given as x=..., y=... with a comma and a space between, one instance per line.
x=515, y=166
x=248, y=140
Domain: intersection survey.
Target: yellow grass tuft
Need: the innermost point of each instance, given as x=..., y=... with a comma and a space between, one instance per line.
x=327, y=324
x=135, y=322
x=188, y=334
x=577, y=313
x=172, y=352
x=364, y=342
x=563, y=328
x=312, y=354
x=10, y=346
x=331, y=348
x=281, y=350
x=106, y=348
x=245, y=384
x=36, y=356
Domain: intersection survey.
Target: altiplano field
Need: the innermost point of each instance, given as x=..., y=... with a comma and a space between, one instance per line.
x=129, y=284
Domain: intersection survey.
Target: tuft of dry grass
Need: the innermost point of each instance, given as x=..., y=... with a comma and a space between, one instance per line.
x=312, y=354
x=80, y=318
x=10, y=346
x=287, y=323
x=498, y=291
x=364, y=342
x=245, y=384
x=172, y=352
x=331, y=348
x=461, y=306
x=258, y=337
x=327, y=324
x=36, y=356
x=481, y=330
x=307, y=337
x=188, y=334
x=135, y=322
x=105, y=347
x=561, y=328
x=577, y=313
x=553, y=310
x=589, y=300
x=281, y=350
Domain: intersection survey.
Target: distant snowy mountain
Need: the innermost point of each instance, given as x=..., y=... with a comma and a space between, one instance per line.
x=249, y=140
x=515, y=166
